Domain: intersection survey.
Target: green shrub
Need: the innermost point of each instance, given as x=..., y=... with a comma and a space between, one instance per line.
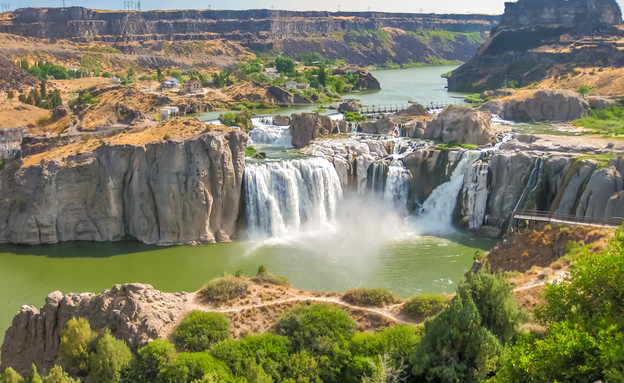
x=57, y=375
x=224, y=288
x=425, y=305
x=199, y=330
x=263, y=276
x=166, y=137
x=10, y=376
x=76, y=343
x=250, y=151
x=584, y=90
x=33, y=376
x=189, y=367
x=111, y=358
x=315, y=326
x=370, y=297
x=270, y=351
x=149, y=360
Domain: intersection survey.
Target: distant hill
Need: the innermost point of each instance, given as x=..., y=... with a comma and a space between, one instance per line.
x=361, y=38
x=539, y=39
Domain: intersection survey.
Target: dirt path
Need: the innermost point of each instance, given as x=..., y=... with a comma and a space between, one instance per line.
x=379, y=311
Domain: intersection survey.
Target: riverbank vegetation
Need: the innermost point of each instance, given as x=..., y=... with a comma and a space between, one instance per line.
x=608, y=122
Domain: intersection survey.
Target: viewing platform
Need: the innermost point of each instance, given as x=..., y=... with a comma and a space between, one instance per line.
x=530, y=217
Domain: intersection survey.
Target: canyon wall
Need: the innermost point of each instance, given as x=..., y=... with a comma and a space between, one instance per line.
x=536, y=36
x=167, y=192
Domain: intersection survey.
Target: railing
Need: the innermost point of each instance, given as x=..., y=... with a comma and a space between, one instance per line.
x=566, y=219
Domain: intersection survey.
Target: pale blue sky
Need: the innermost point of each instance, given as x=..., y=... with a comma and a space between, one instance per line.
x=436, y=6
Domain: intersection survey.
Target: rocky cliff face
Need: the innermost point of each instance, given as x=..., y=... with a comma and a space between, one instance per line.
x=463, y=125
x=135, y=312
x=544, y=105
x=536, y=35
x=166, y=192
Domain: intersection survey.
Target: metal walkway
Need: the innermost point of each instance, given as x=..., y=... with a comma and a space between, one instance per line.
x=564, y=219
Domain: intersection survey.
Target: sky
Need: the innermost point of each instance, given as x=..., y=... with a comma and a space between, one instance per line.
x=410, y=6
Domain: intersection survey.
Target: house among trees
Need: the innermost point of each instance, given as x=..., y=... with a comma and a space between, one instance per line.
x=192, y=87
x=290, y=85
x=271, y=73
x=169, y=83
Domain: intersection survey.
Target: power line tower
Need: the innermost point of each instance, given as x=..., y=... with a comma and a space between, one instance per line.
x=128, y=5
x=6, y=7
x=138, y=6
x=338, y=7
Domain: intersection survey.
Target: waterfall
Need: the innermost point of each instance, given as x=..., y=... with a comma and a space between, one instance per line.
x=436, y=215
x=282, y=196
x=396, y=189
x=528, y=194
x=265, y=133
x=376, y=177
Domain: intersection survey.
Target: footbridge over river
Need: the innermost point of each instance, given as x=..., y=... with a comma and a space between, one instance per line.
x=383, y=108
x=531, y=218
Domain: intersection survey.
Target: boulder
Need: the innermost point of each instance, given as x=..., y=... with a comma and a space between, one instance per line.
x=462, y=124
x=278, y=95
x=59, y=112
x=306, y=127
x=367, y=81
x=547, y=105
x=381, y=126
x=414, y=110
x=281, y=120
x=351, y=106
x=600, y=103
x=603, y=185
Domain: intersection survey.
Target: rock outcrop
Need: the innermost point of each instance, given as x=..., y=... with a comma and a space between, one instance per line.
x=545, y=105
x=136, y=313
x=381, y=126
x=306, y=127
x=463, y=125
x=164, y=192
x=351, y=106
x=534, y=36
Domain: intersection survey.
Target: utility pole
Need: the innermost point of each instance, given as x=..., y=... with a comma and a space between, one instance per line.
x=338, y=7
x=138, y=6
x=6, y=7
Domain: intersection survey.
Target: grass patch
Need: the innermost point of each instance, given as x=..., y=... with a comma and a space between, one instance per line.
x=250, y=151
x=602, y=159
x=608, y=121
x=454, y=144
x=225, y=288
x=370, y=297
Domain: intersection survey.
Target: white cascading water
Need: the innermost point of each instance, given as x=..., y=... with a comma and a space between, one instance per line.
x=436, y=215
x=283, y=196
x=265, y=133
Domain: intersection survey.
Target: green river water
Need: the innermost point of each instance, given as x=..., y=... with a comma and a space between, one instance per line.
x=407, y=265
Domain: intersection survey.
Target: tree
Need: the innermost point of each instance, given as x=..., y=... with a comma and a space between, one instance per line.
x=75, y=345
x=159, y=74
x=57, y=375
x=584, y=90
x=10, y=376
x=10, y=94
x=284, y=64
x=455, y=347
x=149, y=360
x=33, y=376
x=199, y=330
x=189, y=367
x=322, y=75
x=111, y=357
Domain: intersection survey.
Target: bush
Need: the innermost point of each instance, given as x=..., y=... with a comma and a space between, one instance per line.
x=189, y=367
x=263, y=276
x=149, y=360
x=10, y=94
x=224, y=288
x=370, y=297
x=57, y=375
x=10, y=376
x=199, y=330
x=584, y=90
x=313, y=327
x=75, y=345
x=110, y=359
x=270, y=351
x=33, y=376
x=425, y=305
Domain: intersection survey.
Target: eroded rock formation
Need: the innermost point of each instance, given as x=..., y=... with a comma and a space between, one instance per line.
x=463, y=125
x=165, y=192
x=306, y=127
x=544, y=105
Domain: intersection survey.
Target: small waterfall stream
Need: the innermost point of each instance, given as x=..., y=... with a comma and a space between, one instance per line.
x=283, y=196
x=436, y=216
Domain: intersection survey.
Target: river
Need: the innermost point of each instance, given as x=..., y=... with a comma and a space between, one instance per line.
x=361, y=245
